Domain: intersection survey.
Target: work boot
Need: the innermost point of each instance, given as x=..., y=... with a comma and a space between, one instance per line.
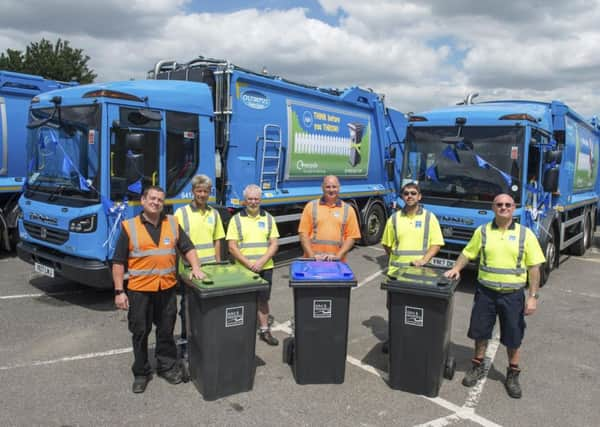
x=385, y=347
x=140, y=382
x=474, y=373
x=513, y=388
x=172, y=376
x=268, y=338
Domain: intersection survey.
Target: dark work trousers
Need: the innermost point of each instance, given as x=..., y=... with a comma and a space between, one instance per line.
x=159, y=308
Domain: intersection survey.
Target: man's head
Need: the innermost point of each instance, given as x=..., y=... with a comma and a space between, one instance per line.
x=411, y=194
x=503, y=206
x=252, y=198
x=201, y=187
x=331, y=188
x=153, y=200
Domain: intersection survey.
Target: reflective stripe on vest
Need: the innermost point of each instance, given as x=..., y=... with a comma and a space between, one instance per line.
x=315, y=213
x=137, y=253
x=503, y=271
x=198, y=246
x=424, y=246
x=245, y=245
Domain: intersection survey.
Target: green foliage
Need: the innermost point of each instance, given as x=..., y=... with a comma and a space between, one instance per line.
x=56, y=62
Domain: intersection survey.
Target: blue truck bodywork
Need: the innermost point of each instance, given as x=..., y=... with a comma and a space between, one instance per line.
x=16, y=91
x=543, y=154
x=210, y=117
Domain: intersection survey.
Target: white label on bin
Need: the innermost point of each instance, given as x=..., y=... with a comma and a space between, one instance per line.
x=322, y=308
x=413, y=316
x=234, y=316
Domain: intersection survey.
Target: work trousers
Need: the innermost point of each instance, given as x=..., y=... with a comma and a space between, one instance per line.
x=159, y=308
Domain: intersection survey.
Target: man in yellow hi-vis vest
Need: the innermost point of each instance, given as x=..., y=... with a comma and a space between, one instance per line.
x=203, y=226
x=252, y=238
x=509, y=257
x=412, y=235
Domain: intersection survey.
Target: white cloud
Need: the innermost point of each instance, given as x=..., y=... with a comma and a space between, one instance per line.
x=421, y=54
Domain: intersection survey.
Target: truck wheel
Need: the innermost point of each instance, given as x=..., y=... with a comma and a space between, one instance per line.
x=449, y=368
x=579, y=247
x=373, y=225
x=288, y=350
x=550, y=254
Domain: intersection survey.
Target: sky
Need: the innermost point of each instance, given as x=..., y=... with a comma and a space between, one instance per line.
x=420, y=54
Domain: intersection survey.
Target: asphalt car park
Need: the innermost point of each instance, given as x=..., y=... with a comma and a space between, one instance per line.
x=65, y=357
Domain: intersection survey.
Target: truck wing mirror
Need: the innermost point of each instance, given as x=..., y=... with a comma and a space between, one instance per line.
x=553, y=156
x=550, y=183
x=135, y=142
x=150, y=115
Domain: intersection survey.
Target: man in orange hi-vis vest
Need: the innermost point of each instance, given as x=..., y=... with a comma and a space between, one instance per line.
x=328, y=226
x=148, y=244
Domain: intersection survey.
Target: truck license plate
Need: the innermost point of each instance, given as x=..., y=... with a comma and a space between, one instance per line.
x=442, y=262
x=43, y=269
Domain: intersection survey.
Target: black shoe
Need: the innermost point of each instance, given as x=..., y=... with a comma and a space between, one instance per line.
x=474, y=373
x=513, y=388
x=172, y=376
x=385, y=347
x=268, y=338
x=140, y=383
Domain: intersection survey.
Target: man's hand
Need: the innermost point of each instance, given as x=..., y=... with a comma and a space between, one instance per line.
x=453, y=273
x=419, y=262
x=530, y=305
x=121, y=301
x=326, y=257
x=257, y=265
x=198, y=274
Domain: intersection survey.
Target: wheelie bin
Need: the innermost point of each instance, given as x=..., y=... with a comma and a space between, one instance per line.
x=221, y=329
x=317, y=351
x=421, y=303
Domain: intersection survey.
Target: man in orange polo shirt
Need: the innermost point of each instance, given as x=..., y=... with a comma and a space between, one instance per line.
x=147, y=245
x=328, y=226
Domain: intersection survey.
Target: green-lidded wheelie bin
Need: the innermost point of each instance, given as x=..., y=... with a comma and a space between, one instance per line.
x=421, y=303
x=317, y=351
x=221, y=329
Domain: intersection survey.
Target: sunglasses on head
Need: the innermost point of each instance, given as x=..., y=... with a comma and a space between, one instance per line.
x=409, y=193
x=503, y=205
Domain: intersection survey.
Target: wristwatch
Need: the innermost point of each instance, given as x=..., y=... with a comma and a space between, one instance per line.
x=536, y=295
x=119, y=291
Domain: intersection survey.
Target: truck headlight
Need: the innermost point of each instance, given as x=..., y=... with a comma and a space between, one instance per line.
x=83, y=224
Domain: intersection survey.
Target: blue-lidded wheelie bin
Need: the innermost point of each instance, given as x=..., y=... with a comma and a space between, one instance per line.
x=221, y=329
x=317, y=351
x=421, y=303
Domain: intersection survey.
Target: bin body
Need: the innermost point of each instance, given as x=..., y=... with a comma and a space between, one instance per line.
x=221, y=330
x=321, y=310
x=420, y=319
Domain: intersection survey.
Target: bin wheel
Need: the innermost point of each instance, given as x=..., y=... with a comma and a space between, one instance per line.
x=288, y=350
x=450, y=368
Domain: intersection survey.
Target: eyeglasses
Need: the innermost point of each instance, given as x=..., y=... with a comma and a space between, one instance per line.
x=410, y=193
x=504, y=205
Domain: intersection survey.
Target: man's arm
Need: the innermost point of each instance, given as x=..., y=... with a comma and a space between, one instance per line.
x=118, y=274
x=534, y=285
x=271, y=251
x=192, y=258
x=305, y=243
x=217, y=244
x=234, y=250
x=454, y=272
x=431, y=252
x=346, y=246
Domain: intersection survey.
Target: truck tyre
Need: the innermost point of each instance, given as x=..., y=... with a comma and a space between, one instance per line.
x=578, y=248
x=550, y=253
x=373, y=225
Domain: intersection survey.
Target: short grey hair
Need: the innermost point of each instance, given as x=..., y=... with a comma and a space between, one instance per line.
x=250, y=188
x=201, y=180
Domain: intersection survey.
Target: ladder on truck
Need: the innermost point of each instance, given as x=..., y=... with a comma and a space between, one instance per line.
x=271, y=157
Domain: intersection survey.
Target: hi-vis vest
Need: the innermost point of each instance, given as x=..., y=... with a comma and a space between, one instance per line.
x=401, y=257
x=320, y=245
x=151, y=267
x=201, y=235
x=505, y=278
x=253, y=239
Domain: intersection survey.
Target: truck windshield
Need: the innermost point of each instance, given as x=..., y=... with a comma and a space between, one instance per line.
x=470, y=164
x=63, y=153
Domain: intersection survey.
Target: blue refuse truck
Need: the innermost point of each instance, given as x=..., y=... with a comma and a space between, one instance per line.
x=543, y=154
x=16, y=91
x=93, y=148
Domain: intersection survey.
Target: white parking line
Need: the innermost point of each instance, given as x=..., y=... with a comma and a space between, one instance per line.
x=43, y=294
x=68, y=359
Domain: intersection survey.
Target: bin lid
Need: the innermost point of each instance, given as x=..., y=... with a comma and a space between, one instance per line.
x=311, y=270
x=222, y=278
x=421, y=281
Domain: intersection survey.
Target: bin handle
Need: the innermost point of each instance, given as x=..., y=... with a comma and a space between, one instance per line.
x=207, y=281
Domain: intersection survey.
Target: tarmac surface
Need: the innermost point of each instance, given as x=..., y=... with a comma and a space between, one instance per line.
x=65, y=357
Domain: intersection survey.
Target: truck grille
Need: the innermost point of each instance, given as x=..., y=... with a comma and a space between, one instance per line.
x=457, y=233
x=47, y=234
